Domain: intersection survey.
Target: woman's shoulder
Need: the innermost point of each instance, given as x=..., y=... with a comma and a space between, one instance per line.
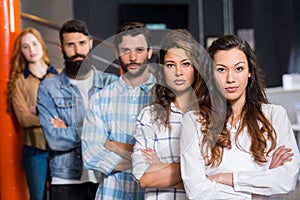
x=270, y=107
x=273, y=111
x=191, y=114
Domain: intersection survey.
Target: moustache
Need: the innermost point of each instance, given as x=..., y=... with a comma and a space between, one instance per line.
x=76, y=56
x=132, y=63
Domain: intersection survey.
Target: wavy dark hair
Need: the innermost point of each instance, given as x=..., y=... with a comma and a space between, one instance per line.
x=164, y=96
x=259, y=128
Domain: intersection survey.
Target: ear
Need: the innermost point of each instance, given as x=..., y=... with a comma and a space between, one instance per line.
x=116, y=53
x=91, y=43
x=150, y=51
x=60, y=48
x=249, y=75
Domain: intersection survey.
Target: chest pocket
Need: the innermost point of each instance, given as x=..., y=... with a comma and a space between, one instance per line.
x=66, y=108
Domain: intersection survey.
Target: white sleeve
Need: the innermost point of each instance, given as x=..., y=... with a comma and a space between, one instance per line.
x=144, y=138
x=280, y=180
x=197, y=186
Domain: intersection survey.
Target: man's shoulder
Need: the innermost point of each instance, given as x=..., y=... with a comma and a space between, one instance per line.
x=106, y=78
x=110, y=87
x=51, y=81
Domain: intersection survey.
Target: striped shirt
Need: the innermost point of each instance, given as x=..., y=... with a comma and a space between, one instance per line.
x=165, y=142
x=112, y=115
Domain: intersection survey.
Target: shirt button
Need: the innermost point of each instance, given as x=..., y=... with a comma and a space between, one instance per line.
x=133, y=117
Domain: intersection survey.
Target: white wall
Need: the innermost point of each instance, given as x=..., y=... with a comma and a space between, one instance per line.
x=286, y=98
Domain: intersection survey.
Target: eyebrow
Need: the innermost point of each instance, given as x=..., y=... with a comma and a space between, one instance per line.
x=233, y=65
x=183, y=60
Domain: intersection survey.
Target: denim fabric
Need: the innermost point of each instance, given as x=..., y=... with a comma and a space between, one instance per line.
x=58, y=97
x=35, y=164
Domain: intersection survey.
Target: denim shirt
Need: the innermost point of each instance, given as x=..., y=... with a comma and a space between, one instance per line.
x=58, y=97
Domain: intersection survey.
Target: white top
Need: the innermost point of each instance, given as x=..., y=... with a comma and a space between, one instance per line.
x=251, y=180
x=165, y=142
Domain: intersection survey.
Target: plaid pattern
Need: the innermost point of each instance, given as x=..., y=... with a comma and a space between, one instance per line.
x=165, y=142
x=112, y=115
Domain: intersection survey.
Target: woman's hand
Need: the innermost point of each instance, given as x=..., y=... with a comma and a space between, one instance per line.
x=150, y=156
x=224, y=178
x=281, y=156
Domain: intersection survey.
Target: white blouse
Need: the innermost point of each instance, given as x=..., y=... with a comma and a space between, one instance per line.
x=251, y=180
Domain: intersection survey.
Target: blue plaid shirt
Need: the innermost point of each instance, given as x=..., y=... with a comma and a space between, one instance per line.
x=165, y=142
x=112, y=115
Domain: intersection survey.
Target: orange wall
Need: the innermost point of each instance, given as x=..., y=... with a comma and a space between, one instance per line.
x=12, y=180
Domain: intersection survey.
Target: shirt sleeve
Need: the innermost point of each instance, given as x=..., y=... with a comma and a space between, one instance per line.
x=197, y=186
x=280, y=180
x=58, y=139
x=95, y=155
x=144, y=138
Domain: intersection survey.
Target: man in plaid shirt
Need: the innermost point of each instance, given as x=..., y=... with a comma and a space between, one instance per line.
x=107, y=138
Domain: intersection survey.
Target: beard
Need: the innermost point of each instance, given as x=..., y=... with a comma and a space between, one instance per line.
x=142, y=68
x=76, y=68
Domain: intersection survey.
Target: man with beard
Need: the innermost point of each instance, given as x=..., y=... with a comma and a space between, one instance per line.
x=107, y=137
x=61, y=104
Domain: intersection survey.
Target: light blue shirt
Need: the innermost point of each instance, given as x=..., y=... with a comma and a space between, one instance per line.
x=112, y=115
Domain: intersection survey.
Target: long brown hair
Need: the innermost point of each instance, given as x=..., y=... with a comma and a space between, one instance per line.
x=259, y=128
x=18, y=62
x=164, y=96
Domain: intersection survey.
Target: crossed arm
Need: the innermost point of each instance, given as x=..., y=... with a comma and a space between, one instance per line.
x=281, y=155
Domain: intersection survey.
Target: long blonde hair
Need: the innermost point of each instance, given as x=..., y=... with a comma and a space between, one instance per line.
x=18, y=62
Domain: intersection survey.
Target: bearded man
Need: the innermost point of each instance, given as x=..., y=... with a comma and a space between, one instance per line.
x=61, y=104
x=107, y=136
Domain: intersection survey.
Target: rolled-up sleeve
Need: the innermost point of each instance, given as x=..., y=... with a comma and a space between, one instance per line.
x=144, y=138
x=95, y=155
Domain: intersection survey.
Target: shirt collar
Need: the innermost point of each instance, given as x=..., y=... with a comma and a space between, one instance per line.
x=146, y=86
x=175, y=109
x=50, y=69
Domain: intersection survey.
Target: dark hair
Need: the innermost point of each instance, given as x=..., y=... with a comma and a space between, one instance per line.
x=164, y=96
x=252, y=115
x=73, y=26
x=132, y=29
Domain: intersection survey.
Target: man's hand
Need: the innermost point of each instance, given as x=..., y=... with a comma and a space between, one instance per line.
x=57, y=122
x=122, y=149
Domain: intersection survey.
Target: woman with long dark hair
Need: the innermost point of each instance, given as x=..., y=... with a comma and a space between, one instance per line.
x=243, y=147
x=156, y=153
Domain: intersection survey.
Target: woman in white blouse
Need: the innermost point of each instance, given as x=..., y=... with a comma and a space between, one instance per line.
x=243, y=147
x=156, y=152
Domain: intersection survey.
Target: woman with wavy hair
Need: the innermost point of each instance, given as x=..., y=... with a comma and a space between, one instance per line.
x=243, y=147
x=29, y=65
x=156, y=153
